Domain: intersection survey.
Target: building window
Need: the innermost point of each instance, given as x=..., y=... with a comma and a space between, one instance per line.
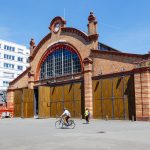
x=8, y=75
x=7, y=65
x=5, y=83
x=20, y=67
x=10, y=57
x=20, y=59
x=9, y=48
x=27, y=60
x=59, y=63
x=20, y=50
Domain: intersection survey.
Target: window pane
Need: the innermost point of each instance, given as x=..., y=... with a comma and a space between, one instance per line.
x=59, y=63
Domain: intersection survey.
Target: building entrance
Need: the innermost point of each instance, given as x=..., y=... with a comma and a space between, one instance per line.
x=113, y=97
x=52, y=100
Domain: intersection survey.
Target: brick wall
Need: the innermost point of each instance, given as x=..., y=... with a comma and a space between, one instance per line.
x=107, y=64
x=142, y=94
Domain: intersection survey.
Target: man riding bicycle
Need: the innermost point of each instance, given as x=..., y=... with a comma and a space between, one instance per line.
x=66, y=115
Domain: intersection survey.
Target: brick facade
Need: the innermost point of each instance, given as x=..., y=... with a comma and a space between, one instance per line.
x=94, y=62
x=142, y=94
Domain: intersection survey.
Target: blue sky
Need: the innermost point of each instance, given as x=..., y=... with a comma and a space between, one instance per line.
x=122, y=24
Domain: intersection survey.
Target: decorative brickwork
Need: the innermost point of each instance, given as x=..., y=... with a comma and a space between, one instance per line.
x=97, y=61
x=142, y=94
x=88, y=97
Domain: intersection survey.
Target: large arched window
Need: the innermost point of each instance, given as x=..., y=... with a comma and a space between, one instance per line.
x=60, y=62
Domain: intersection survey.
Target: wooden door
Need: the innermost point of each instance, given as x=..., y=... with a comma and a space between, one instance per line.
x=118, y=98
x=129, y=97
x=28, y=103
x=97, y=102
x=107, y=105
x=56, y=102
x=77, y=98
x=17, y=103
x=44, y=102
x=69, y=102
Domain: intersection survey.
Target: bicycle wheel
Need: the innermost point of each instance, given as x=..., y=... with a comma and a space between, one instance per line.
x=58, y=124
x=71, y=124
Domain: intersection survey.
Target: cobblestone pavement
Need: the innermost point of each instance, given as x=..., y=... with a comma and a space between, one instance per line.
x=41, y=134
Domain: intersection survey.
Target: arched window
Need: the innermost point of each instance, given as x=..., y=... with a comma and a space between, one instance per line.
x=60, y=62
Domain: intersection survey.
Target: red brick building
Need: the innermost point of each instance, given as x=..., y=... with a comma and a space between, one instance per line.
x=70, y=68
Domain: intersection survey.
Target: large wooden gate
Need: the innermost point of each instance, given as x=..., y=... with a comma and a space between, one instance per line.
x=114, y=97
x=28, y=103
x=67, y=95
x=17, y=103
x=44, y=102
x=24, y=103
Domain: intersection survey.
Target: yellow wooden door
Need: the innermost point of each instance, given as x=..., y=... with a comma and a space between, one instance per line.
x=44, y=102
x=118, y=98
x=56, y=102
x=97, y=102
x=107, y=107
x=79, y=105
x=69, y=102
x=17, y=103
x=28, y=103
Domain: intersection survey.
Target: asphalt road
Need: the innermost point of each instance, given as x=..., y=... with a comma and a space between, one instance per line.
x=41, y=134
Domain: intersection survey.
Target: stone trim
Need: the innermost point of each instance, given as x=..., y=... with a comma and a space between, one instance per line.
x=59, y=83
x=57, y=19
x=145, y=56
x=86, y=37
x=41, y=43
x=88, y=60
x=53, y=48
x=142, y=118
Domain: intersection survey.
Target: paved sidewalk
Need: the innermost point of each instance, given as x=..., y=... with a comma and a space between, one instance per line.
x=41, y=134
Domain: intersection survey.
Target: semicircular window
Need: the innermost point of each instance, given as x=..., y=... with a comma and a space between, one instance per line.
x=59, y=63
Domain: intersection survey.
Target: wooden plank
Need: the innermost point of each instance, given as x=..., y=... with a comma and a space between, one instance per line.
x=53, y=109
x=129, y=97
x=77, y=99
x=107, y=108
x=77, y=91
x=97, y=109
x=17, y=103
x=118, y=87
x=28, y=103
x=68, y=92
x=106, y=88
x=56, y=101
x=44, y=102
x=118, y=109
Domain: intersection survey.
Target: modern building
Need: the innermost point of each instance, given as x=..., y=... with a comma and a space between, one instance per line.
x=13, y=61
x=70, y=68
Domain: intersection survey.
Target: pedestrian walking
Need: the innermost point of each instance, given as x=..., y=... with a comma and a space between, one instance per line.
x=87, y=115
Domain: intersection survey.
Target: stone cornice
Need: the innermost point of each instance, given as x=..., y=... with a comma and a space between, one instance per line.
x=57, y=19
x=86, y=37
x=123, y=73
x=145, y=56
x=48, y=36
x=141, y=70
x=88, y=60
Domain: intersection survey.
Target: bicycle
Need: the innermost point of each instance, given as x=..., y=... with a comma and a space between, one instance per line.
x=59, y=124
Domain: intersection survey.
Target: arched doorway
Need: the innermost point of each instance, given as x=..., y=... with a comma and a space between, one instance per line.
x=60, y=61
